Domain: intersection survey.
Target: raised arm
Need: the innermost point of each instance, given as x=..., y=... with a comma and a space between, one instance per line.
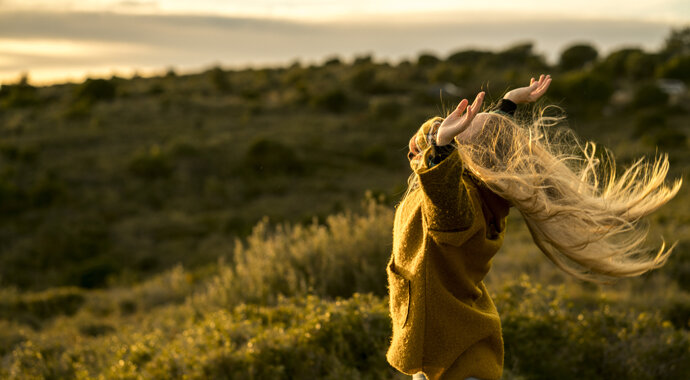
x=446, y=204
x=530, y=93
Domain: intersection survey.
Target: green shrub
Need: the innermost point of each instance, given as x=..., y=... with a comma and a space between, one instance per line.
x=334, y=100
x=79, y=109
x=641, y=65
x=267, y=157
x=547, y=338
x=648, y=122
x=34, y=308
x=584, y=92
x=19, y=95
x=469, y=57
x=94, y=90
x=576, y=56
x=347, y=254
x=333, y=61
x=519, y=55
x=649, y=95
x=676, y=68
x=385, y=109
x=375, y=154
x=96, y=329
x=11, y=334
x=667, y=138
x=616, y=63
x=151, y=164
x=219, y=79
x=427, y=60
x=679, y=265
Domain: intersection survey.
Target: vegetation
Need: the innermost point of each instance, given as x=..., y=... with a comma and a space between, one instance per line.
x=212, y=226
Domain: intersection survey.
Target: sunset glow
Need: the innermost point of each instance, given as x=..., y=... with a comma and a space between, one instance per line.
x=61, y=40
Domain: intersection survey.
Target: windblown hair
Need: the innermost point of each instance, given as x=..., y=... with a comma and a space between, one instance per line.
x=582, y=215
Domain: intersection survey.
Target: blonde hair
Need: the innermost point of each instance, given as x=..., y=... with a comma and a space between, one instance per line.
x=583, y=216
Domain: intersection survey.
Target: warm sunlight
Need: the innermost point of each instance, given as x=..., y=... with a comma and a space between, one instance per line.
x=650, y=10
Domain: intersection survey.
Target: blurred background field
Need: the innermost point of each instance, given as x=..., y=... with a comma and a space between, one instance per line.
x=236, y=223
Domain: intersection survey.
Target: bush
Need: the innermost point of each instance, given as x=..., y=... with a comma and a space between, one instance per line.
x=385, y=109
x=21, y=94
x=427, y=60
x=219, y=79
x=648, y=122
x=641, y=65
x=649, y=96
x=585, y=90
x=546, y=338
x=577, y=56
x=267, y=157
x=347, y=254
x=676, y=68
x=34, y=308
x=667, y=138
x=616, y=63
x=375, y=154
x=94, y=90
x=334, y=100
x=362, y=78
x=151, y=164
x=469, y=57
x=515, y=56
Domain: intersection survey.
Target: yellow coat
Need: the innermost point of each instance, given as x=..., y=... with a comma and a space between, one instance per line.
x=445, y=234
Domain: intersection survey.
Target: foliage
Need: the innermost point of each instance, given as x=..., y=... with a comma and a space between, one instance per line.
x=427, y=59
x=94, y=90
x=677, y=68
x=21, y=94
x=576, y=56
x=469, y=57
x=267, y=157
x=151, y=164
x=648, y=122
x=34, y=308
x=334, y=100
x=587, y=92
x=649, y=96
x=545, y=338
x=219, y=79
x=678, y=42
x=345, y=255
x=145, y=193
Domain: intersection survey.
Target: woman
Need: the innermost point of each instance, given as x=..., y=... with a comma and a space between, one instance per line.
x=468, y=170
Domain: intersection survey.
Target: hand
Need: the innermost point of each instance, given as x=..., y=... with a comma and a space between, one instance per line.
x=531, y=93
x=456, y=122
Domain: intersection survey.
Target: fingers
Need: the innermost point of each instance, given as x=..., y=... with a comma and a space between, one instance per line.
x=477, y=104
x=543, y=85
x=474, y=109
x=462, y=106
x=539, y=87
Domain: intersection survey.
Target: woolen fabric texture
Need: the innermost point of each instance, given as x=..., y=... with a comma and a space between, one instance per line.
x=445, y=234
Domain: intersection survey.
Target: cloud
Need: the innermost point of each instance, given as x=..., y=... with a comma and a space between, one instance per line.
x=188, y=41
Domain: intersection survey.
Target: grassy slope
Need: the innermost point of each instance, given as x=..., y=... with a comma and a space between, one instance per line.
x=112, y=191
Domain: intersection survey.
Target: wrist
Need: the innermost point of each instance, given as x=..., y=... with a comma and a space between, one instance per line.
x=513, y=98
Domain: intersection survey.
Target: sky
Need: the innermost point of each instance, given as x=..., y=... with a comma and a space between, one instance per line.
x=68, y=40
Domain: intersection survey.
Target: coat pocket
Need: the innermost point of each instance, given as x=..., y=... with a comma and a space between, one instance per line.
x=400, y=295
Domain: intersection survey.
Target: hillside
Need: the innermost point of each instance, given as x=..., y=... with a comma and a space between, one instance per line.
x=237, y=223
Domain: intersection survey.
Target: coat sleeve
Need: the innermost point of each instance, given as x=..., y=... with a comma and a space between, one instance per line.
x=446, y=208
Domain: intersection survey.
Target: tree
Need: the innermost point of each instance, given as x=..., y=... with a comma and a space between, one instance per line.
x=427, y=59
x=469, y=57
x=678, y=43
x=576, y=56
